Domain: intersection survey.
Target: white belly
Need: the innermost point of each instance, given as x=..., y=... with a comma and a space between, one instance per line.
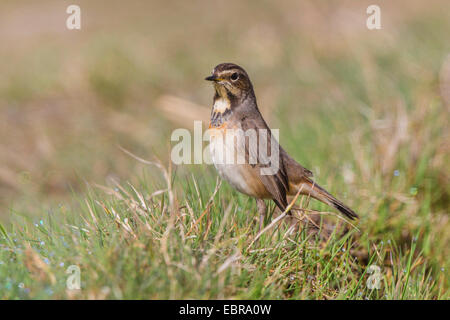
x=229, y=160
x=233, y=176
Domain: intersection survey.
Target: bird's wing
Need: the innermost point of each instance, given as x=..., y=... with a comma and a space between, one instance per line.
x=270, y=167
x=295, y=171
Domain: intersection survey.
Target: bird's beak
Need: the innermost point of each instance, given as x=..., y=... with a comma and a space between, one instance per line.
x=212, y=78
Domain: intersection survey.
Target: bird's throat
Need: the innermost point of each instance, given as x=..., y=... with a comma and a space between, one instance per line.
x=221, y=104
x=220, y=111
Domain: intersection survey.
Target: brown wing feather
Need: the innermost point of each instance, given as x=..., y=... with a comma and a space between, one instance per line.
x=277, y=184
x=295, y=171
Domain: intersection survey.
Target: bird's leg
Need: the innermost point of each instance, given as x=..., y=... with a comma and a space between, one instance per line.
x=262, y=209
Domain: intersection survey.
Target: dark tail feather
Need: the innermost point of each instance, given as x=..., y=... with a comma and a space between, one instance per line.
x=344, y=209
x=281, y=205
x=321, y=194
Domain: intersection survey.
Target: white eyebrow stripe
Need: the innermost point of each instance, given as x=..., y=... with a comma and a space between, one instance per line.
x=227, y=72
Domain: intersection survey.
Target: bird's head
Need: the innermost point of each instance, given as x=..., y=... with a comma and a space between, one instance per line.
x=231, y=81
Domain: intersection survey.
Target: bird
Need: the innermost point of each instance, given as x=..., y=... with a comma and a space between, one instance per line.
x=235, y=110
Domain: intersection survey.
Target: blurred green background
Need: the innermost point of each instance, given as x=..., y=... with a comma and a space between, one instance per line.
x=366, y=110
x=69, y=97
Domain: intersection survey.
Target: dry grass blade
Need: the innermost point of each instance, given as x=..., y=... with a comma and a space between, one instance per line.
x=230, y=260
x=37, y=267
x=208, y=205
x=158, y=164
x=275, y=221
x=222, y=223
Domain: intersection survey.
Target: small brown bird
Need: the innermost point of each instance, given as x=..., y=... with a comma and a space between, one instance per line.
x=235, y=109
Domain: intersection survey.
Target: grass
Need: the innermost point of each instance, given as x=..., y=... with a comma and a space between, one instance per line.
x=363, y=110
x=133, y=242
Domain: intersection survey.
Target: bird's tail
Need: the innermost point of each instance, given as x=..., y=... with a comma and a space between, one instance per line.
x=309, y=187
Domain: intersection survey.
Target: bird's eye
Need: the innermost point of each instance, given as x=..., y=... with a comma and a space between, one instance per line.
x=234, y=76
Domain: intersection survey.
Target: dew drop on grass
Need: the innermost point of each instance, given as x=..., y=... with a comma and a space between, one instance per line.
x=413, y=191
